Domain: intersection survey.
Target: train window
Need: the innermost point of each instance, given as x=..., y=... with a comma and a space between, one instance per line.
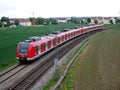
x=68, y=35
x=54, y=41
x=49, y=43
x=44, y=45
x=65, y=36
x=41, y=46
x=71, y=34
x=76, y=32
x=23, y=48
x=37, y=48
x=60, y=38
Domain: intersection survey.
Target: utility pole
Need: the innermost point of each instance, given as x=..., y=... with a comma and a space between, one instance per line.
x=33, y=17
x=56, y=61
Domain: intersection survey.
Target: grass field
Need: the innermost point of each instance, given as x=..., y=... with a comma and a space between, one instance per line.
x=11, y=36
x=98, y=65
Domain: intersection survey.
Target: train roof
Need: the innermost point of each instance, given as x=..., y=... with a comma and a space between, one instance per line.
x=54, y=34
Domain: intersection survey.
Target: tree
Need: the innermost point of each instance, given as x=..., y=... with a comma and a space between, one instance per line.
x=32, y=20
x=117, y=21
x=111, y=21
x=74, y=20
x=96, y=21
x=39, y=21
x=89, y=20
x=82, y=22
x=47, y=22
x=0, y=23
x=17, y=22
x=5, y=21
x=54, y=22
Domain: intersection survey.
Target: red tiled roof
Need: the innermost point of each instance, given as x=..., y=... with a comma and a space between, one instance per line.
x=20, y=19
x=93, y=18
x=107, y=18
x=100, y=18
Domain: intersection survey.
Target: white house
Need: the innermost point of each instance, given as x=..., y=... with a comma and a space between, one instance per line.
x=23, y=21
x=103, y=20
x=62, y=21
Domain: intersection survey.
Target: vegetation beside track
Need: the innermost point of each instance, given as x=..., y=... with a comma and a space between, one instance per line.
x=98, y=65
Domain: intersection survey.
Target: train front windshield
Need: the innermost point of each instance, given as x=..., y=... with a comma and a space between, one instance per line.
x=23, y=48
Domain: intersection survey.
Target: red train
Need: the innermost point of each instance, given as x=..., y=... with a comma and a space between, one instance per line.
x=34, y=47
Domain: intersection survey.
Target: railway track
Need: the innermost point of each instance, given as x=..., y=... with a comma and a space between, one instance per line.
x=11, y=72
x=28, y=81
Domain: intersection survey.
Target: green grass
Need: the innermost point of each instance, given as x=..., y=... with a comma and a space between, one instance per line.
x=111, y=25
x=11, y=36
x=98, y=65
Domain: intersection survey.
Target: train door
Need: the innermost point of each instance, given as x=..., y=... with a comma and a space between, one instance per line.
x=76, y=33
x=58, y=40
x=71, y=35
x=65, y=36
x=79, y=31
x=85, y=29
x=54, y=41
x=68, y=35
x=49, y=44
x=38, y=49
x=43, y=47
x=82, y=31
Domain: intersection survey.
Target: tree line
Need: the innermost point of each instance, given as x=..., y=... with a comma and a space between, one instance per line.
x=5, y=21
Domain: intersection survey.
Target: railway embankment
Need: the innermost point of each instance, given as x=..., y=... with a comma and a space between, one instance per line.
x=97, y=67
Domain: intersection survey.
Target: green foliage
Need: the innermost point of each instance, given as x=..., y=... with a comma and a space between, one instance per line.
x=54, y=22
x=0, y=24
x=96, y=21
x=82, y=22
x=39, y=21
x=5, y=21
x=75, y=20
x=47, y=22
x=17, y=22
x=117, y=21
x=111, y=22
x=89, y=20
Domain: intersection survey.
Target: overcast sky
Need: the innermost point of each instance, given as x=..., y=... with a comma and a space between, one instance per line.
x=58, y=8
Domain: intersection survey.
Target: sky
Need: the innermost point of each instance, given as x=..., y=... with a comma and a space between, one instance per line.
x=59, y=8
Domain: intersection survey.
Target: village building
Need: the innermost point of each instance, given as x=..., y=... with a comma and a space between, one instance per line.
x=22, y=21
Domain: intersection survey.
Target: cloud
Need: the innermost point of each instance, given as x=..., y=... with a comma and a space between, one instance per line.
x=59, y=8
